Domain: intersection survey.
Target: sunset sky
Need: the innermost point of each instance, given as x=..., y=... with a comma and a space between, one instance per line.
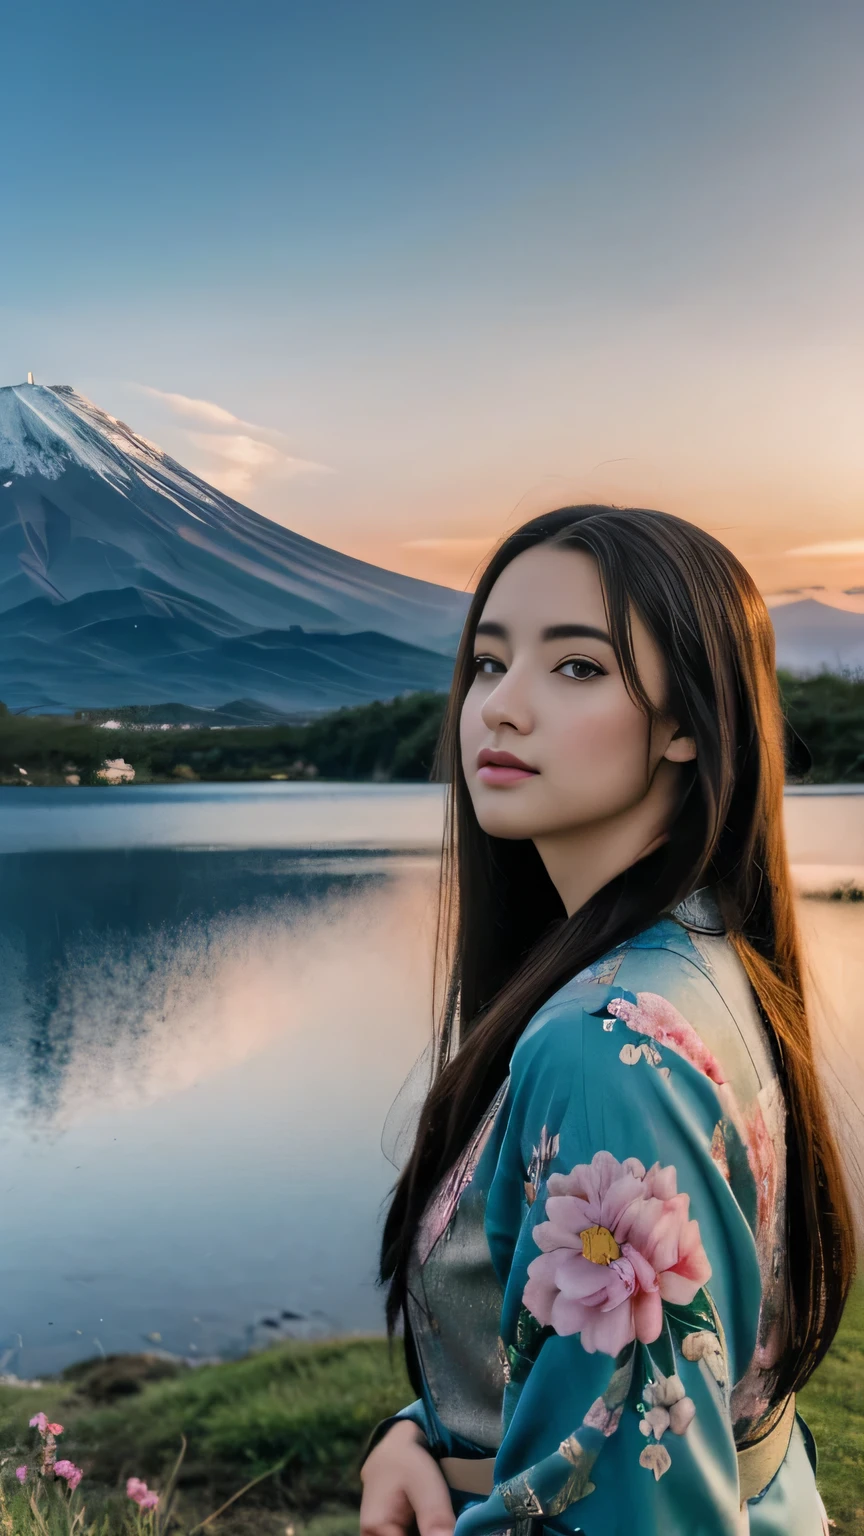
x=399, y=274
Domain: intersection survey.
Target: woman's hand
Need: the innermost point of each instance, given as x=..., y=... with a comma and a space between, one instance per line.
x=403, y=1484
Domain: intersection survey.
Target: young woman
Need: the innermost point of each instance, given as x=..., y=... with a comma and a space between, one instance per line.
x=621, y=1243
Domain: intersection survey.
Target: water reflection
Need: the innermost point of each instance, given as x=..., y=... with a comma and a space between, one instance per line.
x=118, y=968
x=199, y=1047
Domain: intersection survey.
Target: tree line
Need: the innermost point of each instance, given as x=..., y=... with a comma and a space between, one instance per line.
x=393, y=741
x=385, y=742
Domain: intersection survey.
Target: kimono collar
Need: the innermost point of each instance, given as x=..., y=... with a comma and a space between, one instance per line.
x=700, y=912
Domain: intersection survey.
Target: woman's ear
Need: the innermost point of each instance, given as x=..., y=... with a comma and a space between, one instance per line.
x=681, y=749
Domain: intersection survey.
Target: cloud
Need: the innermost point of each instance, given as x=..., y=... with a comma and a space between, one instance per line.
x=203, y=410
x=794, y=595
x=240, y=455
x=850, y=599
x=836, y=547
x=241, y=460
x=252, y=454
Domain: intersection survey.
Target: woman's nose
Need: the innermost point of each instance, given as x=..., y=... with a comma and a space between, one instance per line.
x=508, y=704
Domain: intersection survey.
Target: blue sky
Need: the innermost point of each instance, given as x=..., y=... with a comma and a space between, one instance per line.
x=441, y=265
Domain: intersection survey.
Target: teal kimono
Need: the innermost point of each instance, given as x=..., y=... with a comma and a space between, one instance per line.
x=597, y=1288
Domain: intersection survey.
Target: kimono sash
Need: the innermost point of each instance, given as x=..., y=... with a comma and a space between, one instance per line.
x=757, y=1463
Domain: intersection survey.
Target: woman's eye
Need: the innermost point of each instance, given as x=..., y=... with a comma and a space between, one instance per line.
x=582, y=669
x=488, y=664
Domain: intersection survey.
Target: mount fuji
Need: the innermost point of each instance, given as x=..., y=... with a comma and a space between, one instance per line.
x=125, y=579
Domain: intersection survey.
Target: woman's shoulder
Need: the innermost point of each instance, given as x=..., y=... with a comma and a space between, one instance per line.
x=679, y=982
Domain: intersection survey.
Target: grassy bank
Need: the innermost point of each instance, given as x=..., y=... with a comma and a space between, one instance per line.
x=833, y=1405
x=393, y=741
x=310, y=1408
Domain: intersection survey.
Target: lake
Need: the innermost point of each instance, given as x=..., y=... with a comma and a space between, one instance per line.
x=211, y=997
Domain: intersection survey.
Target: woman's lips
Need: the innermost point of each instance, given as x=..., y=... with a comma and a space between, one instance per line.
x=499, y=773
x=502, y=768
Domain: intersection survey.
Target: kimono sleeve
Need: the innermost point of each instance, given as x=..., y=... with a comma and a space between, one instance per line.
x=415, y=1413
x=631, y=1285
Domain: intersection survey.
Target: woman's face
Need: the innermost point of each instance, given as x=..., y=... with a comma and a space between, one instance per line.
x=548, y=692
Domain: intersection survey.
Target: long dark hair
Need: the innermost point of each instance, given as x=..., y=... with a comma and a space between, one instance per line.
x=505, y=943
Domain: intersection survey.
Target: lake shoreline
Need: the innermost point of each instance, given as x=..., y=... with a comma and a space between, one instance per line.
x=214, y=999
x=311, y=1406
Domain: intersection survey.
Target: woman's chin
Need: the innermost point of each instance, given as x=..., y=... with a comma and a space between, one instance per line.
x=506, y=821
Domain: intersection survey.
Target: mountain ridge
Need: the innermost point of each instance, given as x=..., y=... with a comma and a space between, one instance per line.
x=817, y=637
x=100, y=528
x=126, y=577
x=51, y=438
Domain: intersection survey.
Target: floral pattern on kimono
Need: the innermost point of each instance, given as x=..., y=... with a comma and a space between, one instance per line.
x=631, y=1179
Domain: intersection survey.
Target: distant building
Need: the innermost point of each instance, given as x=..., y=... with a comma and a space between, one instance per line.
x=116, y=771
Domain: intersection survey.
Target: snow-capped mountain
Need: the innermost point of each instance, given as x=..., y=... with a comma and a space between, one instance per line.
x=124, y=579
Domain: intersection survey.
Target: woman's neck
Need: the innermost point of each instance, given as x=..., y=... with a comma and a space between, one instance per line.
x=581, y=860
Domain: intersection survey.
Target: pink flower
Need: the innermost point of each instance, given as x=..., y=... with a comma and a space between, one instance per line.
x=762, y=1158
x=72, y=1474
x=655, y=1016
x=617, y=1243
x=21, y=1474
x=143, y=1496
x=40, y=1422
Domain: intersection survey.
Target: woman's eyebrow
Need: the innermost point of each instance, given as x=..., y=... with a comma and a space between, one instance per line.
x=575, y=632
x=553, y=632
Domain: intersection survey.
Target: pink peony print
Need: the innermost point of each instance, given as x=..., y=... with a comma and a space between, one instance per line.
x=616, y=1244
x=762, y=1158
x=656, y=1017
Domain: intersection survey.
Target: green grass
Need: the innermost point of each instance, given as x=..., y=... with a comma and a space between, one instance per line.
x=312, y=1405
x=309, y=1404
x=833, y=1405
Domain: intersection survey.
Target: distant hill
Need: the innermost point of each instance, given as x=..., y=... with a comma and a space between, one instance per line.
x=236, y=712
x=124, y=578
x=61, y=658
x=814, y=637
